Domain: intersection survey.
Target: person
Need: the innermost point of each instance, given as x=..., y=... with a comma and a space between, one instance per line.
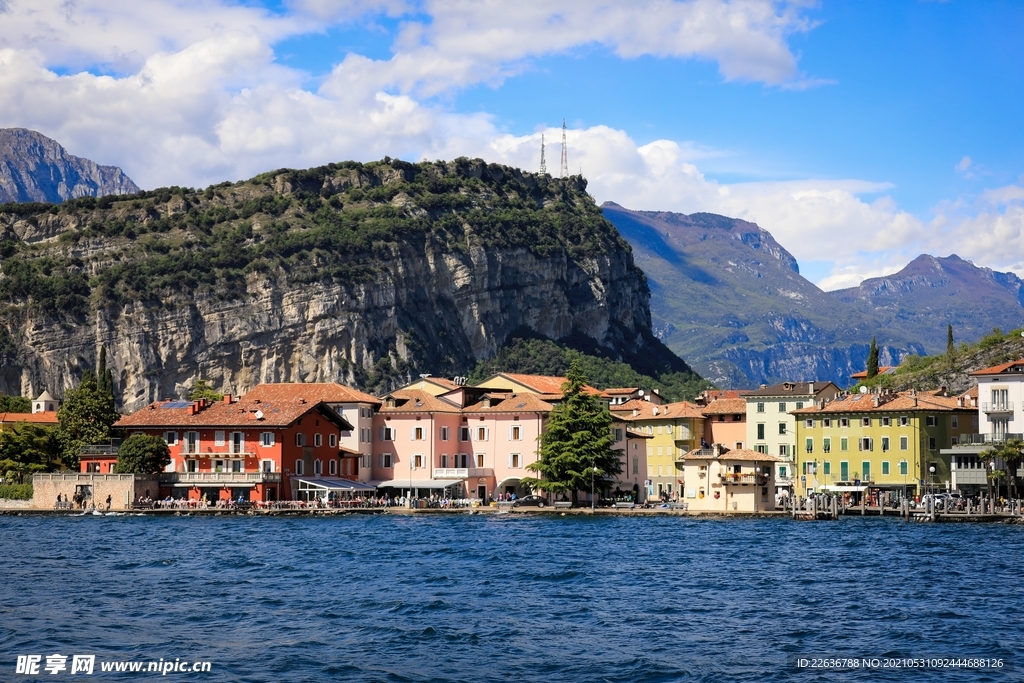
x=108, y=501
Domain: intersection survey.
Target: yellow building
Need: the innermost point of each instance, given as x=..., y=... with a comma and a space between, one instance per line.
x=883, y=445
x=673, y=430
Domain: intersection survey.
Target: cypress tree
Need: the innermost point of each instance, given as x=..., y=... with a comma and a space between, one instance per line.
x=873, y=359
x=950, y=345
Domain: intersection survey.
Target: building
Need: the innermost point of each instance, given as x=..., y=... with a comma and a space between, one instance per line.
x=772, y=429
x=1001, y=400
x=44, y=414
x=885, y=445
x=725, y=422
x=434, y=386
x=547, y=387
x=284, y=446
x=632, y=445
x=620, y=395
x=721, y=480
x=672, y=430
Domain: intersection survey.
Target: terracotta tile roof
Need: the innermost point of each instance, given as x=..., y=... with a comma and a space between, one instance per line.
x=726, y=406
x=417, y=401
x=653, y=411
x=741, y=454
x=714, y=394
x=241, y=413
x=331, y=392
x=545, y=384
x=972, y=392
x=47, y=417
x=621, y=390
x=1004, y=368
x=522, y=402
x=903, y=401
x=792, y=389
x=883, y=370
x=442, y=381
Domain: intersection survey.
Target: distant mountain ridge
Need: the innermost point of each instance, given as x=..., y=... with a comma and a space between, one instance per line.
x=34, y=168
x=727, y=297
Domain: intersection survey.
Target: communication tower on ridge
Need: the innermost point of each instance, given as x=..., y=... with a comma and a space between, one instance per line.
x=543, y=163
x=565, y=155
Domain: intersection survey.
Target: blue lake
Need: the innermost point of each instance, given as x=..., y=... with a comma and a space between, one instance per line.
x=509, y=597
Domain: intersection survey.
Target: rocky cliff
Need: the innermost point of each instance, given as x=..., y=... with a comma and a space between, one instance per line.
x=34, y=168
x=730, y=299
x=363, y=274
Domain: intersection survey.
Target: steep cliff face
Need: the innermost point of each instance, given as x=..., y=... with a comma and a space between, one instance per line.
x=34, y=168
x=363, y=274
x=730, y=299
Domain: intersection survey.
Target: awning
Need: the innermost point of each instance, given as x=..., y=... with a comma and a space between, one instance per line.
x=424, y=484
x=332, y=484
x=844, y=489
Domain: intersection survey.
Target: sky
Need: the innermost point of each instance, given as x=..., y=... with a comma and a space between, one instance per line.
x=859, y=133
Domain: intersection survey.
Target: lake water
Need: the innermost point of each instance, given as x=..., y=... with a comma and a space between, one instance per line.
x=509, y=597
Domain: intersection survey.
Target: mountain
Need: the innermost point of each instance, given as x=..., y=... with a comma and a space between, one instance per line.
x=367, y=274
x=730, y=299
x=931, y=292
x=34, y=168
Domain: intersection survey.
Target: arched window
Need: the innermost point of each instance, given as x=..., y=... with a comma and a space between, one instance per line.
x=298, y=467
x=318, y=468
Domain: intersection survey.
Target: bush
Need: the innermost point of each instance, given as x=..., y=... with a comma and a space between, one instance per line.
x=15, y=491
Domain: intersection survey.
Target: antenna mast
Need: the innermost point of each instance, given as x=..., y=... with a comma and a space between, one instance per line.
x=543, y=163
x=565, y=156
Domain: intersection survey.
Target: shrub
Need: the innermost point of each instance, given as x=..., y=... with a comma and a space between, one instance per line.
x=15, y=491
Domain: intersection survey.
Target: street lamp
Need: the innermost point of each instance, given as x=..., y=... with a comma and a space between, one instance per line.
x=593, y=470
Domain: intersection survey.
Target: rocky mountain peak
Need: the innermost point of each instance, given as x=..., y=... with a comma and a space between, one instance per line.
x=34, y=168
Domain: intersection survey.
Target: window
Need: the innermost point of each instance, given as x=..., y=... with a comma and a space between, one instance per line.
x=236, y=443
x=218, y=438
x=865, y=422
x=782, y=471
x=333, y=467
x=266, y=465
x=904, y=443
x=659, y=429
x=826, y=445
x=903, y=467
x=885, y=467
x=782, y=407
x=760, y=407
x=809, y=445
x=298, y=466
x=462, y=460
x=515, y=460
x=191, y=465
x=417, y=434
x=799, y=405
x=782, y=428
x=300, y=439
x=385, y=460
x=886, y=421
x=444, y=461
x=865, y=470
x=515, y=433
x=844, y=422
x=737, y=418
x=931, y=421
x=809, y=423
x=171, y=438
x=660, y=452
x=480, y=460
x=318, y=468
x=333, y=440
x=826, y=422
x=885, y=444
x=865, y=444
x=387, y=433
x=650, y=450
x=955, y=441
x=482, y=433
x=827, y=467
x=784, y=450
x=318, y=440
x=417, y=461
x=92, y=467
x=844, y=471
x=636, y=464
x=444, y=433
x=191, y=442
x=760, y=431
x=237, y=465
x=955, y=421
x=463, y=433
x=266, y=438
x=810, y=468
x=618, y=434
x=844, y=444
x=904, y=421
x=931, y=443
x=761, y=448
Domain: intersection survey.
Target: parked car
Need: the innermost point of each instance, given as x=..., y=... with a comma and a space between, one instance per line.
x=530, y=501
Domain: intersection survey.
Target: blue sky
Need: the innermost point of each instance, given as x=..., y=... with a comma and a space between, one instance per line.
x=859, y=133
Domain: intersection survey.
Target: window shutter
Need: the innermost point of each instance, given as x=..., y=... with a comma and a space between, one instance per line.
x=382, y=435
x=510, y=438
x=510, y=461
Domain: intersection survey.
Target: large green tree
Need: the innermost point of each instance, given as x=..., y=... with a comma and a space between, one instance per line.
x=577, y=443
x=27, y=448
x=86, y=417
x=142, y=454
x=15, y=404
x=203, y=390
x=1010, y=453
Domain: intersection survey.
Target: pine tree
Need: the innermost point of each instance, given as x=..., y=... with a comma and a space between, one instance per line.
x=873, y=359
x=577, y=444
x=105, y=378
x=950, y=345
x=85, y=417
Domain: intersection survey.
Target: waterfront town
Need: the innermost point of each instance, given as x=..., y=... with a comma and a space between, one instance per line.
x=440, y=441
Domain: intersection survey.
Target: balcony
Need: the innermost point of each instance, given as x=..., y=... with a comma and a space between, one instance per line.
x=744, y=479
x=999, y=407
x=462, y=472
x=222, y=455
x=985, y=439
x=200, y=478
